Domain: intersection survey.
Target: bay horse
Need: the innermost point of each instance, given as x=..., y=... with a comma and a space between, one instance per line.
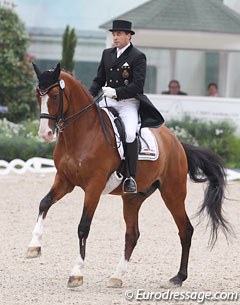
x=85, y=157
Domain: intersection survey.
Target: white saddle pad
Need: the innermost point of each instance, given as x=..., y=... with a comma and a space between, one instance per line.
x=149, y=148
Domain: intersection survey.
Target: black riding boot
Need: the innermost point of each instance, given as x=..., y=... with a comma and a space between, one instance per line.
x=131, y=155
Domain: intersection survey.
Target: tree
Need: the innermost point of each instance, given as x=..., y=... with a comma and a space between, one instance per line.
x=69, y=43
x=16, y=73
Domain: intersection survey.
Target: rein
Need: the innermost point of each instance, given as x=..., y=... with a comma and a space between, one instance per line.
x=105, y=126
x=61, y=122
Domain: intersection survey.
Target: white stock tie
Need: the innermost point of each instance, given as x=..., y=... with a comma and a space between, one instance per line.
x=119, y=52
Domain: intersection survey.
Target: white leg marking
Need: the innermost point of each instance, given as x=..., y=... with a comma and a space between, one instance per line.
x=37, y=233
x=121, y=269
x=77, y=268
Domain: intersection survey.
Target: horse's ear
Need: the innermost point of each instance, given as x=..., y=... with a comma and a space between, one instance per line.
x=36, y=69
x=57, y=70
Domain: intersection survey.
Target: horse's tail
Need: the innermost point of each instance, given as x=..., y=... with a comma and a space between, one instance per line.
x=204, y=165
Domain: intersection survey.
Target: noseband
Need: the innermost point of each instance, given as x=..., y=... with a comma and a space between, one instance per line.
x=60, y=121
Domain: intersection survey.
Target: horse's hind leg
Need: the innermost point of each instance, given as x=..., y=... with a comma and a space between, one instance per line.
x=59, y=189
x=174, y=198
x=131, y=206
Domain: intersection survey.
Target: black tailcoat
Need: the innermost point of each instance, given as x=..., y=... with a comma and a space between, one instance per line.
x=127, y=75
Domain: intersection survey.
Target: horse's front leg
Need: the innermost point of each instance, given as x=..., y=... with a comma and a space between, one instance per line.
x=131, y=206
x=60, y=187
x=90, y=203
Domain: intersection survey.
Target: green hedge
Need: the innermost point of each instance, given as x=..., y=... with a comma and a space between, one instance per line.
x=21, y=141
x=24, y=148
x=219, y=137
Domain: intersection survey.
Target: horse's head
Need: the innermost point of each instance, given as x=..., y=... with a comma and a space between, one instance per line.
x=54, y=100
x=50, y=97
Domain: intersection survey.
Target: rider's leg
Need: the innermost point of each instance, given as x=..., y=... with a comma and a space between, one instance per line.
x=128, y=111
x=131, y=155
x=129, y=115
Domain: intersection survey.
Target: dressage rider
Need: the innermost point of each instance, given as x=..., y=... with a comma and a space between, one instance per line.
x=121, y=76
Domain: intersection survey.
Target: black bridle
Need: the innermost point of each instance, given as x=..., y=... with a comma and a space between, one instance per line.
x=62, y=122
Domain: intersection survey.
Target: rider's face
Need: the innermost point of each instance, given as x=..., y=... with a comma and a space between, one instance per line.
x=121, y=39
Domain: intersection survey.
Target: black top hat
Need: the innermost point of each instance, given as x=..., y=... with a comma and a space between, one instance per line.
x=122, y=25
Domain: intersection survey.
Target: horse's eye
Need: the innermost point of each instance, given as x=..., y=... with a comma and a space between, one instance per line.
x=54, y=97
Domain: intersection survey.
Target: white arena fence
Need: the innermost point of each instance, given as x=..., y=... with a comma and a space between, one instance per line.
x=34, y=165
x=44, y=166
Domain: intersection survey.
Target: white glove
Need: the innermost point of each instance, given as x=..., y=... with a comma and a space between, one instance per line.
x=109, y=92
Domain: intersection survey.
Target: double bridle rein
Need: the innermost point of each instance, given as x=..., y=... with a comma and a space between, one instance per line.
x=62, y=122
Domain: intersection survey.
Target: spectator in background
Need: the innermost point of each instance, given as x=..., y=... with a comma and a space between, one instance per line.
x=212, y=89
x=174, y=88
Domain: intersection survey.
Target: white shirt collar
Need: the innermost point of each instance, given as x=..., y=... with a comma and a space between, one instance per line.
x=120, y=51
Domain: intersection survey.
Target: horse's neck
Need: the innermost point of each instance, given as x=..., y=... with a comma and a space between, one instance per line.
x=81, y=127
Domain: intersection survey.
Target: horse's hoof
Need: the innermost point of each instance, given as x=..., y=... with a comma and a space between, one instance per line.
x=114, y=283
x=75, y=281
x=33, y=252
x=176, y=281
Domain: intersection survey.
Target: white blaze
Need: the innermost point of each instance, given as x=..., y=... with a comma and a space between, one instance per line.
x=44, y=106
x=45, y=132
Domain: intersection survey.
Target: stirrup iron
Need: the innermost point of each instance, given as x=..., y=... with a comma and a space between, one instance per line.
x=129, y=185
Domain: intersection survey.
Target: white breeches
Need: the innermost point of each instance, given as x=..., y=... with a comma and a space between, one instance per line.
x=128, y=111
